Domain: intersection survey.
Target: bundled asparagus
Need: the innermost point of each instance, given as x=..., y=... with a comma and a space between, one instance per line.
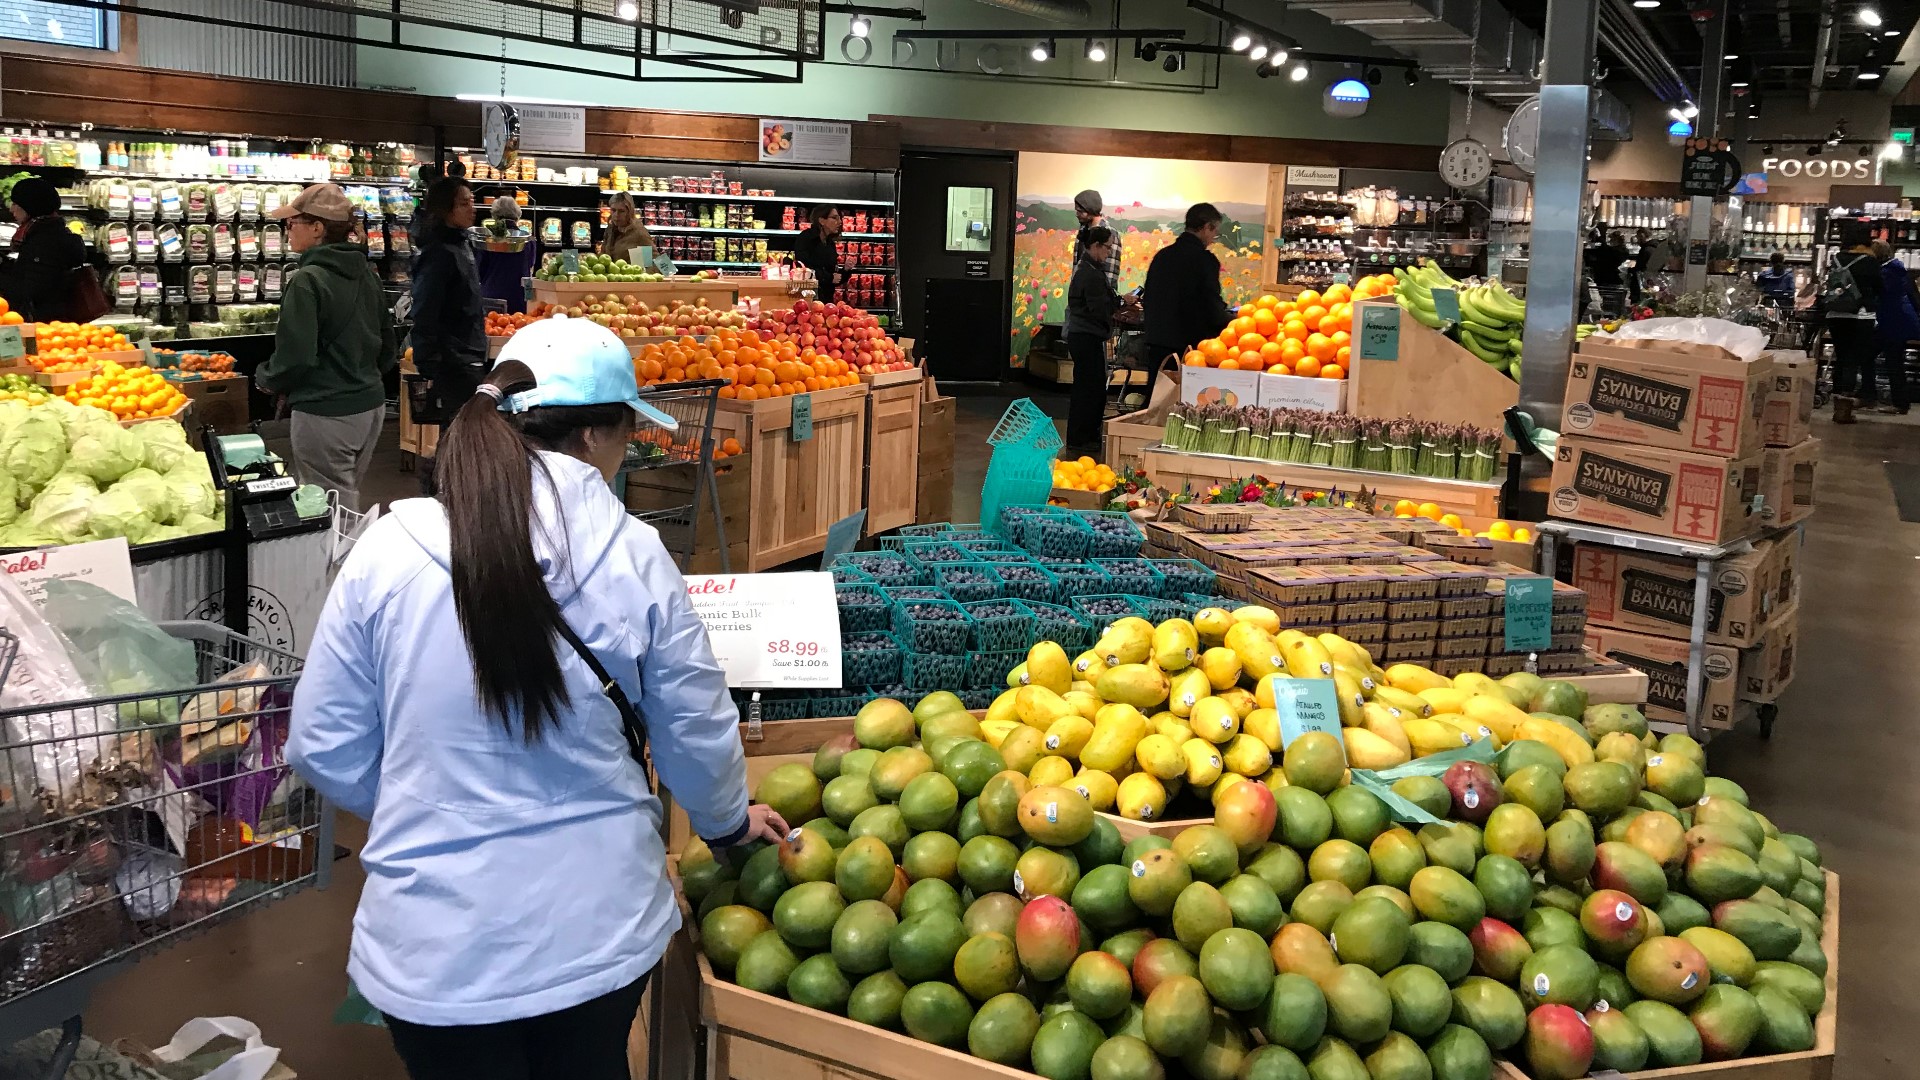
x=1346, y=441
x=1259, y=423
x=1373, y=445
x=1403, y=447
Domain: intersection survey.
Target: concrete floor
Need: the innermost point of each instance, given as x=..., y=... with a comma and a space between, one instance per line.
x=1836, y=770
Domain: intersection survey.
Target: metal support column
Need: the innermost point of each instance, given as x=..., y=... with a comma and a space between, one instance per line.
x=1554, y=295
x=1708, y=125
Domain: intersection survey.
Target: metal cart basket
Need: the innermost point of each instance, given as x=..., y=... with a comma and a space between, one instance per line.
x=693, y=406
x=129, y=822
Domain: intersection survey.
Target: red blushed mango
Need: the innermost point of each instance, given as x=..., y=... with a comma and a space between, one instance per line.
x=1048, y=937
x=1246, y=813
x=1159, y=960
x=1499, y=950
x=1559, y=1043
x=1614, y=920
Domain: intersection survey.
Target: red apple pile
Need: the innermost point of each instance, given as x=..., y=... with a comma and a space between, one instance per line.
x=837, y=331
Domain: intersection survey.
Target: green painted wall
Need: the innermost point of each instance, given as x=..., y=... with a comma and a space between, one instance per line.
x=1155, y=100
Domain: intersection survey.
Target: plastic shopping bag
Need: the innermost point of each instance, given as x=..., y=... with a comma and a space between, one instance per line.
x=119, y=650
x=202, y=1050
x=1403, y=810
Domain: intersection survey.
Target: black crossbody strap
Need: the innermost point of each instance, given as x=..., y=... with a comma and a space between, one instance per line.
x=629, y=718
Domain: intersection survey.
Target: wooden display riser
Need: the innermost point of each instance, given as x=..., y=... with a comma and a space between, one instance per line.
x=1814, y=1064
x=1176, y=469
x=1435, y=378
x=892, y=473
x=717, y=292
x=797, y=490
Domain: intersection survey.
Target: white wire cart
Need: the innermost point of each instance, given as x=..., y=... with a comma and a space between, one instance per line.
x=130, y=822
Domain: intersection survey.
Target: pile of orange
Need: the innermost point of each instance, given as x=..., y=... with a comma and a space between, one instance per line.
x=8, y=316
x=501, y=324
x=1308, y=336
x=65, y=346
x=754, y=365
x=130, y=393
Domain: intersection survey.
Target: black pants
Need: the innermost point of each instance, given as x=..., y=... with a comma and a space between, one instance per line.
x=1854, y=346
x=1893, y=363
x=1087, y=407
x=586, y=1042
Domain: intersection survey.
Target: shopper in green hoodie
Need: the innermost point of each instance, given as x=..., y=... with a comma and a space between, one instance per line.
x=334, y=346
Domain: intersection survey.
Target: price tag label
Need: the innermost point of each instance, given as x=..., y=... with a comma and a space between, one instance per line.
x=1379, y=332
x=1446, y=304
x=12, y=345
x=842, y=535
x=1306, y=705
x=802, y=417
x=569, y=261
x=766, y=629
x=1529, y=614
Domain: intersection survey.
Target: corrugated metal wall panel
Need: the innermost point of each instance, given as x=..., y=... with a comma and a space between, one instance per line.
x=249, y=54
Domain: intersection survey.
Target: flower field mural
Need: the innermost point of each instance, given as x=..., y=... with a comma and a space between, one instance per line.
x=1146, y=204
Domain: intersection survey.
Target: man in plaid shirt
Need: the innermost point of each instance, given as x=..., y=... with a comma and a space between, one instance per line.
x=1087, y=206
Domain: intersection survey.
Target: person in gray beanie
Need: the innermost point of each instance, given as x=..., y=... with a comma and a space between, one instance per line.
x=1087, y=207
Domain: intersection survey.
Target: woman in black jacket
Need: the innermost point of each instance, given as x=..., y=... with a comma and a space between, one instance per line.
x=38, y=277
x=815, y=248
x=449, y=321
x=1091, y=303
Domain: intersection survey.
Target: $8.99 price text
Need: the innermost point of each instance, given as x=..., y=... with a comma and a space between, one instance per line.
x=799, y=654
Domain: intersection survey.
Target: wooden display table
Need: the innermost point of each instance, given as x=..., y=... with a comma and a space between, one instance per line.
x=893, y=448
x=717, y=292
x=1435, y=378
x=1177, y=469
x=797, y=490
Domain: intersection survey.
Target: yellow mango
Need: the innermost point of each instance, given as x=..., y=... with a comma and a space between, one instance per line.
x=1365, y=750
x=1212, y=624
x=1265, y=618
x=1213, y=720
x=1411, y=704
x=1380, y=720
x=1263, y=724
x=1017, y=677
x=1572, y=748
x=1050, y=771
x=1259, y=654
x=1495, y=712
x=1039, y=707
x=995, y=732
x=1446, y=699
x=1003, y=707
x=1085, y=702
x=1088, y=666
x=1247, y=755
x=1175, y=645
x=1414, y=678
x=1047, y=666
x=1117, y=730
x=1203, y=761
x=1431, y=736
x=1137, y=685
x=1241, y=700
x=1187, y=689
x=1160, y=756
x=1349, y=696
x=1222, y=666
x=1347, y=652
x=1307, y=658
x=1361, y=676
x=1127, y=641
x=1141, y=797
x=1263, y=690
x=1097, y=787
x=1068, y=735
x=1082, y=686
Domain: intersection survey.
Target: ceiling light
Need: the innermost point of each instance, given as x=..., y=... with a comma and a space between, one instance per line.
x=1300, y=71
x=1679, y=129
x=1677, y=114
x=1147, y=51
x=1266, y=69
x=1258, y=52
x=627, y=10
x=1349, y=90
x=1042, y=51
x=1869, y=17
x=1890, y=33
x=1893, y=151
x=1868, y=76
x=861, y=27
x=1096, y=51
x=1176, y=61
x=1372, y=76
x=1278, y=56
x=1646, y=5
x=1731, y=56
x=1690, y=111
x=1241, y=40
x=1739, y=85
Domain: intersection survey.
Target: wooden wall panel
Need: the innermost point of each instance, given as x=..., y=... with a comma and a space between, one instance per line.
x=920, y=131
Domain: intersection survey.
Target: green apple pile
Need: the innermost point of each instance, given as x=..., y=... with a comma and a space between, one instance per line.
x=1615, y=908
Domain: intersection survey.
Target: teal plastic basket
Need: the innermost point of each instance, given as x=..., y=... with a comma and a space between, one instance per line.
x=1024, y=424
x=1024, y=442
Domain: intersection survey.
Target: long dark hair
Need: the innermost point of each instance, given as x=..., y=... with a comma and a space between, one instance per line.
x=486, y=472
x=438, y=202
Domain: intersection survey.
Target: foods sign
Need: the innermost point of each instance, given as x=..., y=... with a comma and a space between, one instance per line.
x=1821, y=168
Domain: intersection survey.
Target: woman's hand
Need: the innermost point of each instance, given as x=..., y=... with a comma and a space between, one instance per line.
x=765, y=823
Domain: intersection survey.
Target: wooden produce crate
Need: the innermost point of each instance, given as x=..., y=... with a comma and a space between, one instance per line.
x=892, y=472
x=753, y=1036
x=933, y=497
x=218, y=403
x=677, y=485
x=1435, y=378
x=1076, y=499
x=798, y=489
x=716, y=292
x=1175, y=469
x=771, y=292
x=60, y=380
x=1814, y=1064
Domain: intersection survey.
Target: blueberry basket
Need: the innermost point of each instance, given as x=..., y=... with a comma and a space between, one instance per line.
x=1062, y=625
x=932, y=626
x=775, y=704
x=1013, y=517
x=896, y=690
x=1182, y=576
x=869, y=658
x=1101, y=611
x=1001, y=625
x=884, y=567
x=1196, y=601
x=851, y=575
x=1002, y=555
x=930, y=553
x=988, y=671
x=1027, y=580
x=981, y=697
x=1058, y=535
x=827, y=703
x=967, y=582
x=1079, y=578
x=862, y=607
x=1158, y=609
x=900, y=594
x=926, y=672
x=1135, y=576
x=1112, y=534
x=929, y=528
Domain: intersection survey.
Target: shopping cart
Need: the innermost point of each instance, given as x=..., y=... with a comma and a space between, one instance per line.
x=692, y=406
x=130, y=822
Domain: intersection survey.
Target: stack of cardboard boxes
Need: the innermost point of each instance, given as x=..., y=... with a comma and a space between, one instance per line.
x=1688, y=441
x=1408, y=590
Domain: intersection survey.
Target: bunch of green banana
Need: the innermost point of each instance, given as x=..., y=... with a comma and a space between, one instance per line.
x=1491, y=318
x=1584, y=331
x=1413, y=290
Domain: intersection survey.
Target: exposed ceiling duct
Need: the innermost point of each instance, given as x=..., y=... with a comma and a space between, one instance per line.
x=1060, y=11
x=1822, y=48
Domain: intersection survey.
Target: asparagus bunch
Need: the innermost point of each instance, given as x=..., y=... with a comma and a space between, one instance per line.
x=1373, y=445
x=1345, y=432
x=1403, y=447
x=1259, y=423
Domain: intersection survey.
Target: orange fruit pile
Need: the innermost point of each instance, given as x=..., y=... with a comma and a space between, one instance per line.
x=65, y=346
x=1308, y=336
x=130, y=393
x=8, y=316
x=756, y=367
x=501, y=324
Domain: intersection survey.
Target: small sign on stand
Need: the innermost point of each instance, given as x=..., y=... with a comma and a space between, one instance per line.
x=1379, y=332
x=1529, y=614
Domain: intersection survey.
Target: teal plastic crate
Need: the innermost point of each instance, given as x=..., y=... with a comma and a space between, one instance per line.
x=1001, y=625
x=967, y=582
x=923, y=673
x=1063, y=625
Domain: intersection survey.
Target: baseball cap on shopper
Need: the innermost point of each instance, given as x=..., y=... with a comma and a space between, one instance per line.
x=324, y=201
x=576, y=362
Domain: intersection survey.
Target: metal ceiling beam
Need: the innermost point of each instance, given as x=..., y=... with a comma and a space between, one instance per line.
x=1823, y=44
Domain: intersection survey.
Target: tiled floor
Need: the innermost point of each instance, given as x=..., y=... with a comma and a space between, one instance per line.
x=1840, y=768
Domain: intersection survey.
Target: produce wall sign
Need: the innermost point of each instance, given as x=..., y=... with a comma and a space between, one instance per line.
x=556, y=129
x=766, y=629
x=806, y=142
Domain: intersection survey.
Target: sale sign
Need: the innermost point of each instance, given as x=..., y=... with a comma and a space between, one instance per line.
x=771, y=630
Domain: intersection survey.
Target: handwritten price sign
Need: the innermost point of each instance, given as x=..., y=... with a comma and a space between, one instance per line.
x=766, y=629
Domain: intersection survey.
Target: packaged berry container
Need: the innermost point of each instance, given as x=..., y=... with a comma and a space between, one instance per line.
x=862, y=607
x=1111, y=534
x=1001, y=625
x=967, y=581
x=932, y=626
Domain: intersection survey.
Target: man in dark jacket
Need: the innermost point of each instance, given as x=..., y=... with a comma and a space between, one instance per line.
x=37, y=277
x=815, y=248
x=1184, y=305
x=334, y=345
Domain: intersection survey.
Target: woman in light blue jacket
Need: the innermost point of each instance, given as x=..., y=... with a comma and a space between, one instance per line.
x=516, y=894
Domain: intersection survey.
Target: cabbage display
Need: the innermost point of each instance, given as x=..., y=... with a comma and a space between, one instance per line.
x=72, y=473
